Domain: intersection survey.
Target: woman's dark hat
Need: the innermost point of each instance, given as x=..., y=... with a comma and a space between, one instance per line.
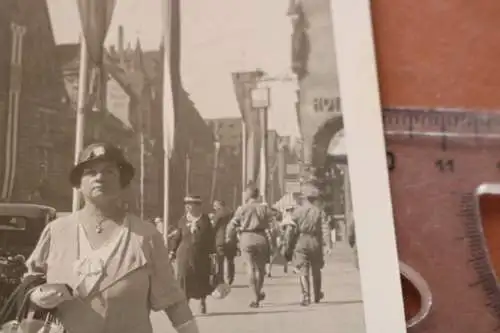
x=192, y=199
x=102, y=152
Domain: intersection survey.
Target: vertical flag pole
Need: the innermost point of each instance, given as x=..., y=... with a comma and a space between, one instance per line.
x=263, y=155
x=168, y=112
x=143, y=171
x=235, y=193
x=243, y=158
x=188, y=169
x=214, y=170
x=80, y=112
x=216, y=162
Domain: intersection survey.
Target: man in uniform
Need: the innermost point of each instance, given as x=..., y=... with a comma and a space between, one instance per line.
x=313, y=233
x=252, y=219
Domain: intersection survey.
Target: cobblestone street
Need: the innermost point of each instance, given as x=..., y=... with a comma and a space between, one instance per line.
x=340, y=312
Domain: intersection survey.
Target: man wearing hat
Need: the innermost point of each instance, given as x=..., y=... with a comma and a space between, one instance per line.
x=313, y=232
x=252, y=219
x=102, y=262
x=193, y=246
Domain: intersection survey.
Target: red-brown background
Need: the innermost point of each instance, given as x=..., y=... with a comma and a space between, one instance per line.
x=442, y=53
x=439, y=54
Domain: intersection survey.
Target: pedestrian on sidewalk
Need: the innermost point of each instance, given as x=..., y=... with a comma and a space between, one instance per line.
x=253, y=219
x=313, y=233
x=193, y=247
x=226, y=251
x=274, y=235
x=287, y=229
x=104, y=269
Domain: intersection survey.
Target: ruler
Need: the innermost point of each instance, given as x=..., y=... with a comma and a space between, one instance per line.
x=437, y=160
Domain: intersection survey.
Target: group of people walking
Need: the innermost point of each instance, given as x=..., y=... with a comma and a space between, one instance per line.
x=305, y=231
x=102, y=269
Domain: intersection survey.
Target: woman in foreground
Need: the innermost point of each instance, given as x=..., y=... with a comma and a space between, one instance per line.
x=105, y=268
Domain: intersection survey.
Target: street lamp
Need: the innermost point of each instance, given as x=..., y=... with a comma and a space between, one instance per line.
x=260, y=97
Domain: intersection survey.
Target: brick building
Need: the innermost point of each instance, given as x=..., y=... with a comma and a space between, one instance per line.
x=35, y=119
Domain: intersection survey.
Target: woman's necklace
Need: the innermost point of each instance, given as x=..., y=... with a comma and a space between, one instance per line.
x=99, y=226
x=101, y=219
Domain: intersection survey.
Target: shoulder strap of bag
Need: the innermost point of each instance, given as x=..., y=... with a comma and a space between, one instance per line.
x=10, y=305
x=24, y=309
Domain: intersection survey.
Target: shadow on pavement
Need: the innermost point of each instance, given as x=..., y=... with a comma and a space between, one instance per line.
x=218, y=314
x=357, y=301
x=314, y=305
x=239, y=286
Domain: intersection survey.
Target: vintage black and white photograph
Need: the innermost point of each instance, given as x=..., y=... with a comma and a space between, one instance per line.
x=174, y=166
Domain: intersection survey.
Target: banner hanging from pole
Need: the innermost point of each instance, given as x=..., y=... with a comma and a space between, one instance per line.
x=168, y=109
x=243, y=83
x=95, y=16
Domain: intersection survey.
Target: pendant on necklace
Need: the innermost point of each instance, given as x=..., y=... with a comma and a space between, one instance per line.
x=98, y=228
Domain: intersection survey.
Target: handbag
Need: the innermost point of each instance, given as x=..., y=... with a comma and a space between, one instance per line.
x=221, y=291
x=213, y=278
x=25, y=321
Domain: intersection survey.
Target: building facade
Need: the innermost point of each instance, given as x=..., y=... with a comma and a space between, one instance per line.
x=318, y=109
x=35, y=118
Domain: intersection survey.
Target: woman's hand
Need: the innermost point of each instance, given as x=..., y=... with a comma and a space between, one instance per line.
x=181, y=317
x=189, y=327
x=49, y=296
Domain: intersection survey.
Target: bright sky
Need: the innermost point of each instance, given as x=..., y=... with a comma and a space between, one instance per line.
x=218, y=37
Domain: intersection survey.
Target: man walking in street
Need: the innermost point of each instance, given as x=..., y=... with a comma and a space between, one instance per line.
x=313, y=233
x=226, y=251
x=252, y=219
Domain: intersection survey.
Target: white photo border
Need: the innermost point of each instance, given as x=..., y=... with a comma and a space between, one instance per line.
x=370, y=189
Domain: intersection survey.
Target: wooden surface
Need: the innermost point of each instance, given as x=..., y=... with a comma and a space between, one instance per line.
x=438, y=53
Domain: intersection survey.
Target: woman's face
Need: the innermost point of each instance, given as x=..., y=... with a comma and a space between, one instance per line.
x=101, y=181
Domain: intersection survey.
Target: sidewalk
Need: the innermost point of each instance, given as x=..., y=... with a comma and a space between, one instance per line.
x=341, y=311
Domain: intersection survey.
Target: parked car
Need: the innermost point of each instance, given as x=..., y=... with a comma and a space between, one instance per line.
x=20, y=227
